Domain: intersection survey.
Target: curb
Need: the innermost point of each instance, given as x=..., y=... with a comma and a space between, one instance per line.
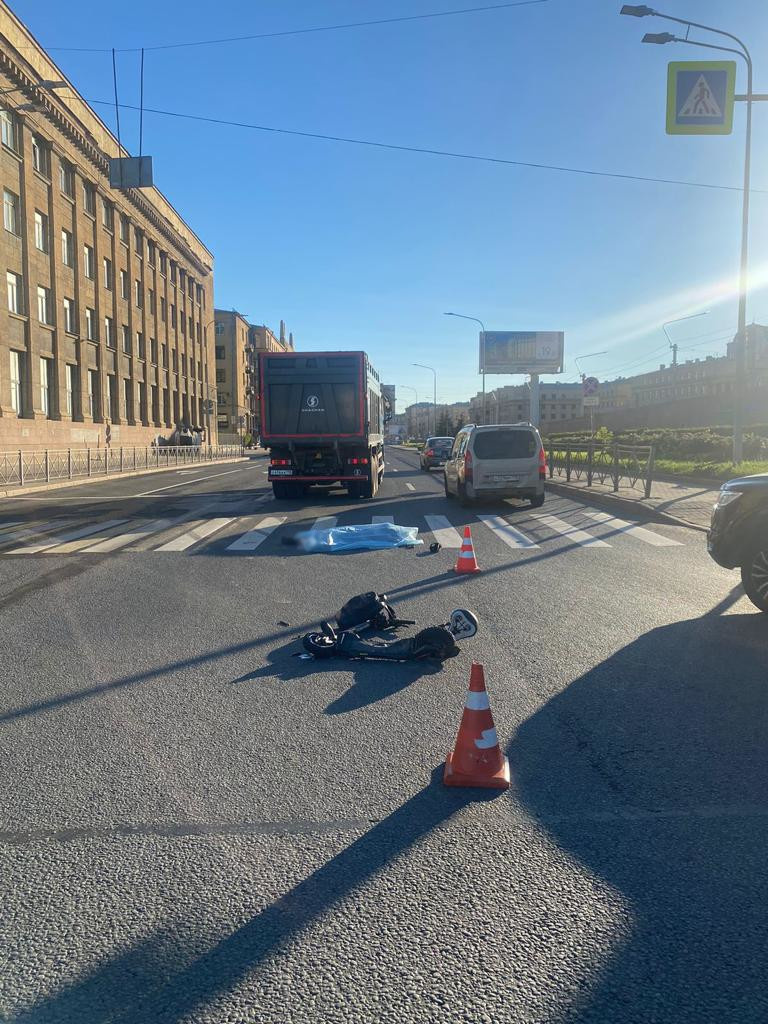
x=597, y=497
x=55, y=485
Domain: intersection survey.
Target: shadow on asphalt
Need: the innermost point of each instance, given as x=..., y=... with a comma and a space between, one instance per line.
x=651, y=770
x=373, y=680
x=160, y=980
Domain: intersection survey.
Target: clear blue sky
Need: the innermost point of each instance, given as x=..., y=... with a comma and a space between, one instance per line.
x=365, y=248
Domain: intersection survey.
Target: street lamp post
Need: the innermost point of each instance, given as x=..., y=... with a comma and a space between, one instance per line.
x=434, y=393
x=642, y=11
x=482, y=326
x=668, y=323
x=410, y=387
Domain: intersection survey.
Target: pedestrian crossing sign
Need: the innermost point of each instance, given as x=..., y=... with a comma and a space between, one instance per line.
x=700, y=97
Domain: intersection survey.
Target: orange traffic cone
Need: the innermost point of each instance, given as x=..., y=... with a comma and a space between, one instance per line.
x=477, y=759
x=466, y=562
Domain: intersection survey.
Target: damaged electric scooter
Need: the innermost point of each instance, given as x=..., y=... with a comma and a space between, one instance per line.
x=372, y=611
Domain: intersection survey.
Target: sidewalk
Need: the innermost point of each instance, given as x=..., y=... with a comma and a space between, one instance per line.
x=686, y=503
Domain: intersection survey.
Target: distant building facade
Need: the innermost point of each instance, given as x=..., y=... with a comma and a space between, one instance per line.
x=108, y=292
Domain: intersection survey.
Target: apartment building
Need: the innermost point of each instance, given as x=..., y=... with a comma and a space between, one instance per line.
x=512, y=403
x=109, y=293
x=238, y=343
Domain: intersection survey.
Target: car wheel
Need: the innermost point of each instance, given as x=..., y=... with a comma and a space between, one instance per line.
x=754, y=576
x=538, y=501
x=445, y=485
x=464, y=500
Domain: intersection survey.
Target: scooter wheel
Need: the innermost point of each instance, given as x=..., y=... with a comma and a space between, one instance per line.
x=320, y=645
x=434, y=642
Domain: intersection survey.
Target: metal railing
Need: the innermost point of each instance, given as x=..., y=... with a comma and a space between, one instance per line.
x=593, y=460
x=20, y=468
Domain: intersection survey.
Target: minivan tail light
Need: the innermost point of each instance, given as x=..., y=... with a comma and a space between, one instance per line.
x=429, y=451
x=468, y=471
x=542, y=464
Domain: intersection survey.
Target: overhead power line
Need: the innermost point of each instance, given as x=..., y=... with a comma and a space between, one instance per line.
x=433, y=152
x=305, y=31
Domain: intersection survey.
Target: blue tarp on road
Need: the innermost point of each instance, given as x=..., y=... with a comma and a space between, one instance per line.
x=367, y=537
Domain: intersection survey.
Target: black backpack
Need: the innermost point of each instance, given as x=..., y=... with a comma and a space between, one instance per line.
x=371, y=609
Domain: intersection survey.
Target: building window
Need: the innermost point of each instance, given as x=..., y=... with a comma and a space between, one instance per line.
x=182, y=278
x=128, y=399
x=17, y=388
x=90, y=324
x=10, y=130
x=184, y=366
x=199, y=333
x=73, y=391
x=109, y=332
x=199, y=370
x=191, y=328
x=41, y=156
x=124, y=284
x=124, y=228
x=11, y=211
x=108, y=215
x=152, y=308
x=173, y=315
x=139, y=294
x=67, y=178
x=165, y=356
x=140, y=350
x=183, y=325
x=89, y=268
x=163, y=309
x=108, y=275
x=69, y=316
x=89, y=198
x=114, y=397
x=15, y=292
x=67, y=248
x=220, y=352
x=190, y=288
x=41, y=231
x=153, y=350
x=126, y=339
x=163, y=263
x=143, y=402
x=93, y=393
x=173, y=272
x=151, y=253
x=46, y=368
x=175, y=358
x=138, y=242
x=221, y=377
x=44, y=311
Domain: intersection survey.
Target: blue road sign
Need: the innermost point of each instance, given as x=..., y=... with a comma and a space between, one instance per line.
x=700, y=97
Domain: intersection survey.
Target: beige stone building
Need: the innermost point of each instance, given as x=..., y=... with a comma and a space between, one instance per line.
x=237, y=346
x=109, y=293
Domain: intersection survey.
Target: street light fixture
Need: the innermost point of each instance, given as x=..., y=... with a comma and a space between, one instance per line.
x=423, y=366
x=589, y=355
x=641, y=11
x=667, y=323
x=463, y=316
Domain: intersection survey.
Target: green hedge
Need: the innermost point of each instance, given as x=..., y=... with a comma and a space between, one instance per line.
x=705, y=444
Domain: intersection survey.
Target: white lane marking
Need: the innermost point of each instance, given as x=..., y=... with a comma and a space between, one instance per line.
x=567, y=530
x=325, y=523
x=444, y=532
x=37, y=531
x=65, y=538
x=122, y=540
x=512, y=537
x=183, y=483
x=383, y=519
x=658, y=540
x=203, y=529
x=409, y=486
x=251, y=540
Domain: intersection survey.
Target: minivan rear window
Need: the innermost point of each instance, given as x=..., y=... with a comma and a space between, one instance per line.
x=505, y=444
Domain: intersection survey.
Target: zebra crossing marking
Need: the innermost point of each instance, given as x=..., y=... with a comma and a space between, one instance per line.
x=250, y=541
x=444, y=532
x=325, y=523
x=383, y=519
x=570, y=532
x=203, y=529
x=511, y=536
x=122, y=540
x=64, y=538
x=658, y=540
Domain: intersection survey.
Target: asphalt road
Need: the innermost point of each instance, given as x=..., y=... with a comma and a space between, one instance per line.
x=197, y=826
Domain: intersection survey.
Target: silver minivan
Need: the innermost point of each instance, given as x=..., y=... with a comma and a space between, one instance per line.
x=506, y=460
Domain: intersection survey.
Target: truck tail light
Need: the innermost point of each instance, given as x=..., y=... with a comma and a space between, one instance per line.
x=468, y=471
x=358, y=462
x=542, y=464
x=279, y=462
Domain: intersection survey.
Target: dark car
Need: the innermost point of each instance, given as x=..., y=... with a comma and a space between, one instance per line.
x=435, y=451
x=738, y=536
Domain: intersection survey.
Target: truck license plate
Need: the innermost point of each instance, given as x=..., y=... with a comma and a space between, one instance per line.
x=281, y=472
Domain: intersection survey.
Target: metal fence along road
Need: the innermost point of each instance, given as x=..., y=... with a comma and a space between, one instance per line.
x=614, y=462
x=20, y=468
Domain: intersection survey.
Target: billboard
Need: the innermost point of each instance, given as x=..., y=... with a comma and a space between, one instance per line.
x=388, y=396
x=521, y=351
